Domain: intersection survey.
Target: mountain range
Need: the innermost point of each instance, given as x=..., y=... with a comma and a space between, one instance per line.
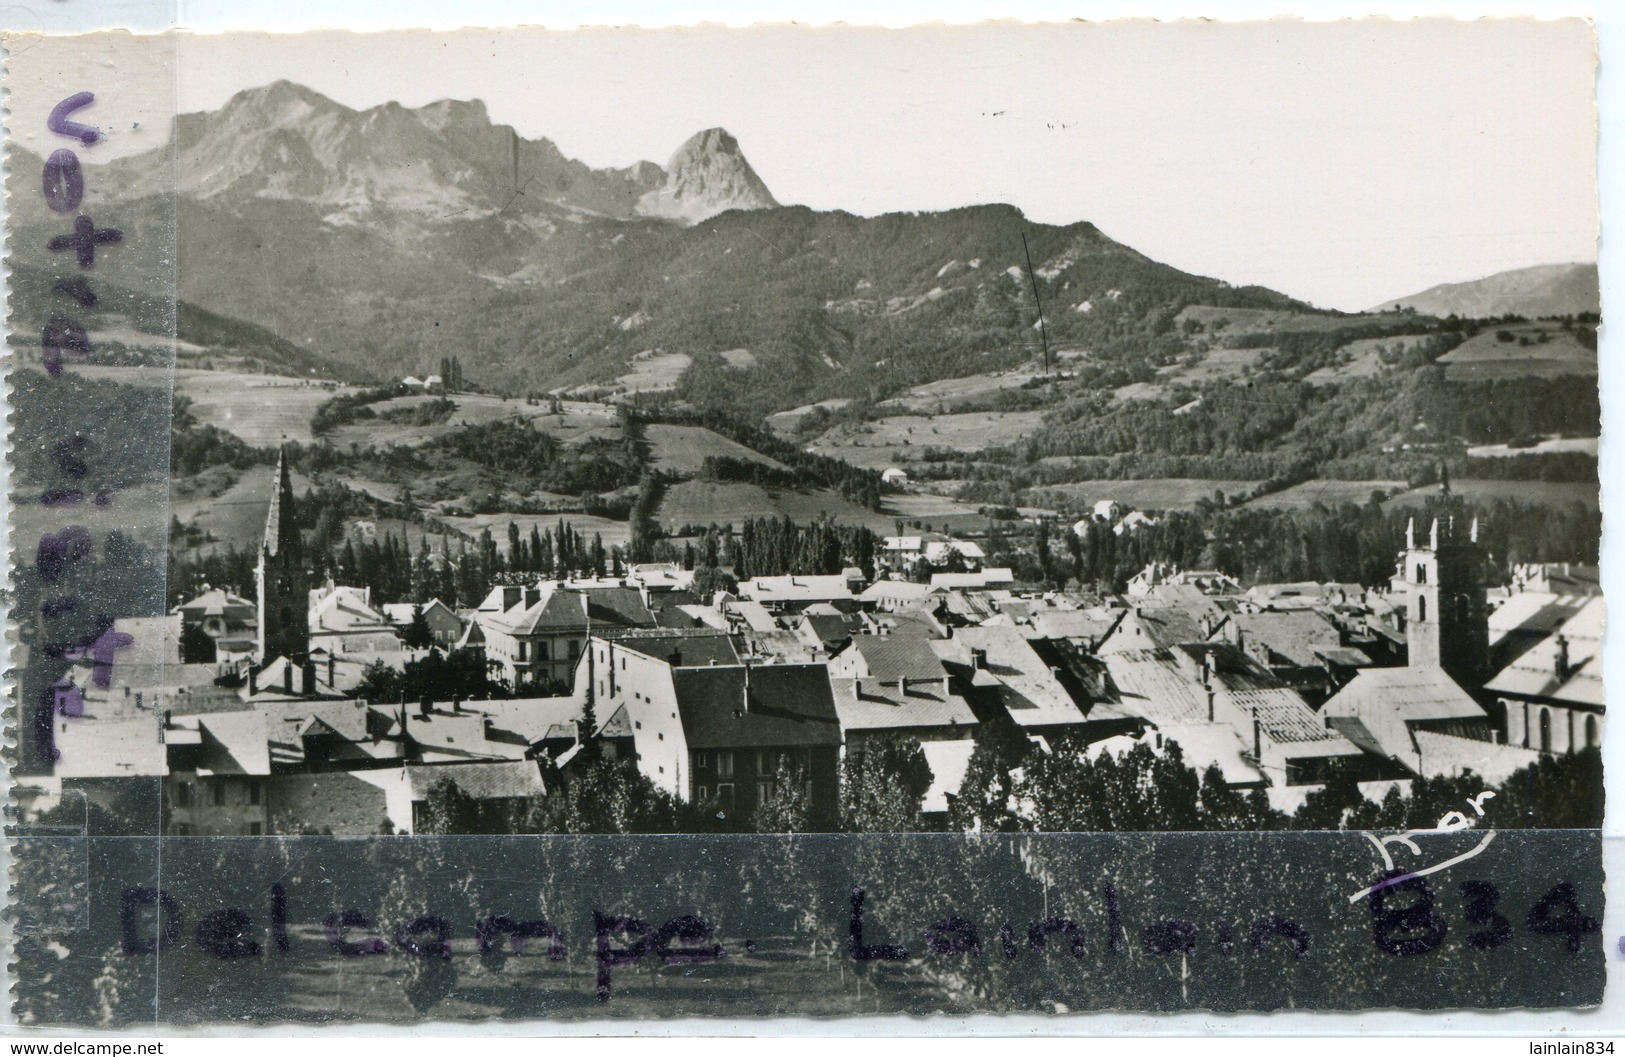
x=377, y=241
x=1543, y=290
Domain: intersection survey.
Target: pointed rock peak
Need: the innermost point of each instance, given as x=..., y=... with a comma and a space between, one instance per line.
x=709, y=142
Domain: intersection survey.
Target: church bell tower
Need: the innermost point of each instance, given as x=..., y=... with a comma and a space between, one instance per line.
x=1446, y=613
x=284, y=588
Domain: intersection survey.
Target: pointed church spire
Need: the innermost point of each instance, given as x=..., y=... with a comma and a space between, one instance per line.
x=281, y=530
x=1410, y=534
x=281, y=578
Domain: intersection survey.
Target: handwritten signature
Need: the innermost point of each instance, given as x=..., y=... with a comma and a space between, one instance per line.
x=1449, y=822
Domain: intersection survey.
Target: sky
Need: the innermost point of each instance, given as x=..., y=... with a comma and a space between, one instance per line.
x=1344, y=163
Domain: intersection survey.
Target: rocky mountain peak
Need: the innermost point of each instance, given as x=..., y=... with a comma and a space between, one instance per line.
x=707, y=175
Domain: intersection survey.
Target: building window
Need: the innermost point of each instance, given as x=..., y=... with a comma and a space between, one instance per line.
x=725, y=767
x=702, y=759
x=522, y=645
x=1421, y=572
x=541, y=651
x=623, y=664
x=1421, y=608
x=661, y=736
x=254, y=793
x=1591, y=732
x=764, y=792
x=219, y=794
x=703, y=793
x=575, y=649
x=255, y=829
x=183, y=794
x=725, y=796
x=637, y=724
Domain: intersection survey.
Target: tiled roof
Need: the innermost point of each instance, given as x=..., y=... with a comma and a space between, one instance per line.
x=482, y=781
x=556, y=610
x=1388, y=701
x=896, y=591
x=533, y=719
x=236, y=742
x=795, y=588
x=619, y=605
x=1447, y=754
x=1535, y=675
x=790, y=705
x=1297, y=636
x=694, y=647
x=893, y=657
x=1533, y=613
x=888, y=708
x=1016, y=676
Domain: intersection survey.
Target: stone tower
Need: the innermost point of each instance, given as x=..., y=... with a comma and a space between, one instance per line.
x=1446, y=613
x=284, y=588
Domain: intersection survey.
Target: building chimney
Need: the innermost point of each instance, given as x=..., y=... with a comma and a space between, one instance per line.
x=745, y=696
x=510, y=597
x=532, y=596
x=978, y=659
x=1562, y=657
x=676, y=659
x=457, y=704
x=331, y=664
x=307, y=678
x=1258, y=738
x=902, y=686
x=1211, y=694
x=426, y=707
x=287, y=675
x=1207, y=671
x=253, y=681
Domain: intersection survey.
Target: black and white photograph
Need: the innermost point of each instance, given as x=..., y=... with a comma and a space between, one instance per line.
x=1002, y=518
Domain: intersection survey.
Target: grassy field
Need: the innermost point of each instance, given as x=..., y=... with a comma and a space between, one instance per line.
x=1485, y=357
x=660, y=371
x=1229, y=321
x=237, y=515
x=1167, y=493
x=899, y=438
x=1363, y=358
x=262, y=409
x=733, y=502
x=1331, y=493
x=1583, y=445
x=1532, y=493
x=614, y=532
x=950, y=393
x=682, y=450
x=1219, y=365
x=786, y=422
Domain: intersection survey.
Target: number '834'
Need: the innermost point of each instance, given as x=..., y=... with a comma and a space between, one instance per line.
x=1405, y=922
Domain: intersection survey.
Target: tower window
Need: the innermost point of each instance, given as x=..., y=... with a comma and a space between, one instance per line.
x=1421, y=608
x=1421, y=572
